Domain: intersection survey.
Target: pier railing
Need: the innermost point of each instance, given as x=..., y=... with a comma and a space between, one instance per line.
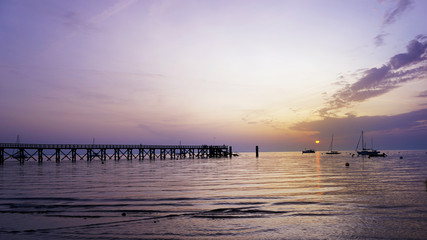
x=110, y=146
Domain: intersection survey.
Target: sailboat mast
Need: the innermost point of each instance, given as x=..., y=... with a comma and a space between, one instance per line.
x=363, y=143
x=358, y=142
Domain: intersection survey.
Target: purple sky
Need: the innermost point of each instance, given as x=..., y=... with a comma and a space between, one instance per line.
x=278, y=74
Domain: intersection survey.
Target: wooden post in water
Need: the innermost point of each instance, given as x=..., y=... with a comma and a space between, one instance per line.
x=140, y=153
x=40, y=155
x=129, y=157
x=256, y=151
x=230, y=151
x=152, y=153
x=116, y=154
x=73, y=155
x=58, y=155
x=1, y=156
x=89, y=154
x=173, y=153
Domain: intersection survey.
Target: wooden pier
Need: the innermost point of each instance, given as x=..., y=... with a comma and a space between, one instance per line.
x=59, y=152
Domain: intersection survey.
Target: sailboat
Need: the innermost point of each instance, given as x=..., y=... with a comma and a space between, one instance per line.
x=366, y=151
x=330, y=147
x=18, y=154
x=94, y=154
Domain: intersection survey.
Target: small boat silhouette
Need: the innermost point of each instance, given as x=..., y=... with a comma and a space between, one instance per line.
x=366, y=151
x=330, y=147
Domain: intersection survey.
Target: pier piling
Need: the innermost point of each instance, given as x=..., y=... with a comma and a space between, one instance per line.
x=256, y=151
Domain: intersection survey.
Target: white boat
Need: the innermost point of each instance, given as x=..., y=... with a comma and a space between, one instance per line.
x=370, y=152
x=330, y=147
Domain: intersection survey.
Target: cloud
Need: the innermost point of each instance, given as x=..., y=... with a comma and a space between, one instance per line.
x=423, y=94
x=375, y=81
x=148, y=129
x=406, y=131
x=411, y=120
x=415, y=52
x=391, y=15
x=379, y=39
x=74, y=22
x=113, y=10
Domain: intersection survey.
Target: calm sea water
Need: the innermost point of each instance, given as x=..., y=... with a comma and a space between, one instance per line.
x=283, y=195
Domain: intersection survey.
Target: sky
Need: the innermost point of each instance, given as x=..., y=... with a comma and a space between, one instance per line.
x=278, y=74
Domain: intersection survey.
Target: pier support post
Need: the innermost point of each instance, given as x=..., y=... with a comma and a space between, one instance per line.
x=21, y=155
x=162, y=153
x=40, y=155
x=152, y=153
x=58, y=155
x=129, y=152
x=230, y=151
x=116, y=154
x=173, y=153
x=256, y=151
x=1, y=155
x=73, y=155
x=103, y=154
x=89, y=154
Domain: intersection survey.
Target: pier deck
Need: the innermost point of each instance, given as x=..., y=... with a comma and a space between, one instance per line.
x=39, y=152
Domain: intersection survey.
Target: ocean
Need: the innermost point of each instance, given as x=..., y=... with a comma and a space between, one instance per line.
x=280, y=195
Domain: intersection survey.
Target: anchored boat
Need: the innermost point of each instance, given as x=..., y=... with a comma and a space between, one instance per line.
x=366, y=151
x=308, y=151
x=20, y=155
x=330, y=147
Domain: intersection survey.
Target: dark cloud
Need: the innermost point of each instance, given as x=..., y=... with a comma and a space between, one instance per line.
x=374, y=82
x=379, y=39
x=148, y=129
x=391, y=15
x=408, y=130
x=412, y=120
x=73, y=21
x=415, y=50
x=423, y=94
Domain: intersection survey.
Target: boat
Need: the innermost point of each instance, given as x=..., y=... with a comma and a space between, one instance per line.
x=19, y=154
x=330, y=147
x=94, y=154
x=308, y=151
x=370, y=152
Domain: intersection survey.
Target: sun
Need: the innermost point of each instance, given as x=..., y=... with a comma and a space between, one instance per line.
x=317, y=141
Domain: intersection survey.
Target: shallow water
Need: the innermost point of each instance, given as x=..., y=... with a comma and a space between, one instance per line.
x=283, y=195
